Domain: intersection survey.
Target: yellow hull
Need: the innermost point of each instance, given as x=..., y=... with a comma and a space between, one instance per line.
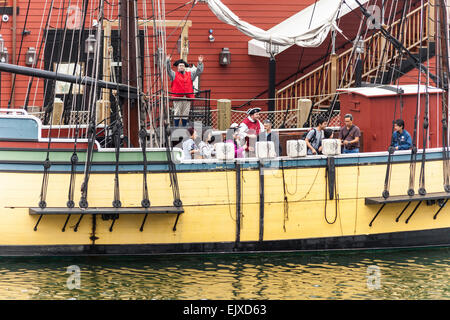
x=210, y=220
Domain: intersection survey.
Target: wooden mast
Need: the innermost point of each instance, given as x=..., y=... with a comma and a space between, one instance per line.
x=128, y=57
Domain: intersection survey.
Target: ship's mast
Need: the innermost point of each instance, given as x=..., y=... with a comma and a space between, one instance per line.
x=129, y=70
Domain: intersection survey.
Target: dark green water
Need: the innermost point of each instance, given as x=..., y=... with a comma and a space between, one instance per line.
x=401, y=274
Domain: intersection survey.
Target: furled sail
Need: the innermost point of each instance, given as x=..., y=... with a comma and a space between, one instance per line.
x=312, y=37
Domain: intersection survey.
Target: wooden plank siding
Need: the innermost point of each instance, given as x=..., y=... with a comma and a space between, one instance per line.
x=243, y=79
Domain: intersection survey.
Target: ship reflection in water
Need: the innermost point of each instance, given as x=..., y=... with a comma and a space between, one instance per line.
x=401, y=274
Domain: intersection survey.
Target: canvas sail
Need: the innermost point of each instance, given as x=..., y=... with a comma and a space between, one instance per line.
x=313, y=37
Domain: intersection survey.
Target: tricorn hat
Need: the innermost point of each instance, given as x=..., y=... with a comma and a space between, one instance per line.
x=253, y=111
x=176, y=63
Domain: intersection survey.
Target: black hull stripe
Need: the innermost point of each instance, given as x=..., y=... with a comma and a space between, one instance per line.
x=396, y=240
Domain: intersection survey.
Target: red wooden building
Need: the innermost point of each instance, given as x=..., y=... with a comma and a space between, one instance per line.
x=25, y=26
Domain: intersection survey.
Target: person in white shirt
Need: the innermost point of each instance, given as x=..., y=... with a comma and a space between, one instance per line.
x=206, y=147
x=189, y=146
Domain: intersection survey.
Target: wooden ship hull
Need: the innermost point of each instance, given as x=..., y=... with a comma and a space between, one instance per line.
x=145, y=202
x=248, y=205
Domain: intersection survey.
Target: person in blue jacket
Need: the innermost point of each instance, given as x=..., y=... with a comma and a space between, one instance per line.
x=401, y=139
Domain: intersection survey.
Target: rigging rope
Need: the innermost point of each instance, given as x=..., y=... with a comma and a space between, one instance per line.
x=172, y=170
x=38, y=56
x=391, y=150
x=11, y=96
x=285, y=198
x=422, y=191
x=47, y=163
x=145, y=203
x=74, y=158
x=444, y=71
x=413, y=159
x=92, y=127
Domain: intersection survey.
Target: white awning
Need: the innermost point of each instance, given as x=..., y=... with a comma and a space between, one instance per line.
x=305, y=37
x=299, y=23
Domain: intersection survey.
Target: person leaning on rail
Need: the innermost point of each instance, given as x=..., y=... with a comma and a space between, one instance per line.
x=401, y=139
x=269, y=135
x=315, y=136
x=349, y=135
x=182, y=89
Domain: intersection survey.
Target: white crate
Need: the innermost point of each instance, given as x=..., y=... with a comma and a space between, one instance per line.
x=265, y=150
x=296, y=148
x=224, y=151
x=331, y=147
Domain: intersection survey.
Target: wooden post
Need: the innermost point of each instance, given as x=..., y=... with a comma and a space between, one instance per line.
x=107, y=56
x=58, y=108
x=384, y=51
x=223, y=114
x=102, y=108
x=184, y=43
x=304, y=108
x=334, y=75
x=129, y=70
x=431, y=18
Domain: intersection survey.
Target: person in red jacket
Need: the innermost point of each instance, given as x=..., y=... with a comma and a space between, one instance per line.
x=250, y=128
x=182, y=90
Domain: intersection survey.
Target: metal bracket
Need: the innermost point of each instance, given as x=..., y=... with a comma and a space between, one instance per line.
x=176, y=221
x=441, y=207
x=404, y=209
x=78, y=223
x=414, y=211
x=143, y=222
x=65, y=223
x=379, y=210
x=37, y=223
x=115, y=217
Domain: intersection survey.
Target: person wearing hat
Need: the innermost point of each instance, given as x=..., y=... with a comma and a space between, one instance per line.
x=250, y=128
x=182, y=89
x=270, y=135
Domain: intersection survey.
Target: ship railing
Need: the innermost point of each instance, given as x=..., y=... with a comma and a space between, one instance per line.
x=13, y=111
x=284, y=134
x=83, y=118
x=200, y=108
x=288, y=118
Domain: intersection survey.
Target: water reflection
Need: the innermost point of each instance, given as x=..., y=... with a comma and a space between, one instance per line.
x=406, y=274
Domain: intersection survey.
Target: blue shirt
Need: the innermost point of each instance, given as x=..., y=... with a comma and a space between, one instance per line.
x=401, y=140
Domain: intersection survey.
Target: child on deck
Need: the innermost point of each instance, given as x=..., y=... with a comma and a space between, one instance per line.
x=238, y=149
